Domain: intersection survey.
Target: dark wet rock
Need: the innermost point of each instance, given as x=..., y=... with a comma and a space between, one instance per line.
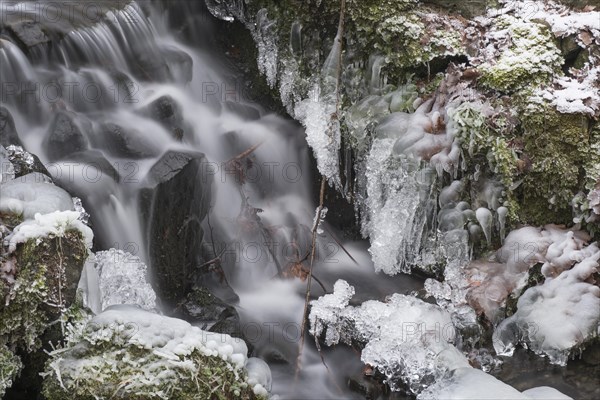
x=97, y=165
x=203, y=309
x=65, y=136
x=248, y=111
x=174, y=202
x=167, y=112
x=29, y=32
x=179, y=64
x=119, y=143
x=8, y=132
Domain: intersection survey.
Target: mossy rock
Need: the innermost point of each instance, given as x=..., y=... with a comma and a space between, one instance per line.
x=560, y=147
x=45, y=284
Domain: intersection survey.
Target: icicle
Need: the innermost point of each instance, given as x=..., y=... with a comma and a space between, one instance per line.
x=485, y=219
x=502, y=213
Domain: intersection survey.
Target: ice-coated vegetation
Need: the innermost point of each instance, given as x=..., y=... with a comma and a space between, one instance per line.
x=126, y=352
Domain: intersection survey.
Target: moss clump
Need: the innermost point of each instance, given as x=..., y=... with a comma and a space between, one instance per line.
x=46, y=278
x=10, y=366
x=530, y=59
x=560, y=147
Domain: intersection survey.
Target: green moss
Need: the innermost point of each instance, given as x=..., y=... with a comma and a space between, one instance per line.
x=10, y=366
x=532, y=57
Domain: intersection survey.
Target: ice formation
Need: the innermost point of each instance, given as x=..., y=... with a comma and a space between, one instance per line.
x=259, y=376
x=54, y=224
x=399, y=194
x=406, y=339
x=411, y=342
x=116, y=277
x=28, y=196
x=559, y=315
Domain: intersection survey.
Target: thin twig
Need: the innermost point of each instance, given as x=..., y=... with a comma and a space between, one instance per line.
x=310, y=276
x=246, y=152
x=336, y=240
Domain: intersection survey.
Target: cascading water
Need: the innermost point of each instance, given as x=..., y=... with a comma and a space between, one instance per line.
x=260, y=223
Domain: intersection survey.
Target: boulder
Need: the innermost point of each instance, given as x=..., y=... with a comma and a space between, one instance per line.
x=174, y=201
x=65, y=136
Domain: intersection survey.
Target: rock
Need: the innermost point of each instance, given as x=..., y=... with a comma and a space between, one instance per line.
x=179, y=63
x=29, y=32
x=120, y=143
x=173, y=204
x=65, y=136
x=8, y=132
x=167, y=112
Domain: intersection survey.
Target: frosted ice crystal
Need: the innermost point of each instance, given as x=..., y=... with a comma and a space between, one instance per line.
x=29, y=197
x=557, y=316
x=123, y=280
x=54, y=224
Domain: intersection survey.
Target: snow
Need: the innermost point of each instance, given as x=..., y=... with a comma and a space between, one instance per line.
x=169, y=337
x=473, y=384
x=121, y=279
x=557, y=316
x=54, y=224
x=28, y=196
x=573, y=96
